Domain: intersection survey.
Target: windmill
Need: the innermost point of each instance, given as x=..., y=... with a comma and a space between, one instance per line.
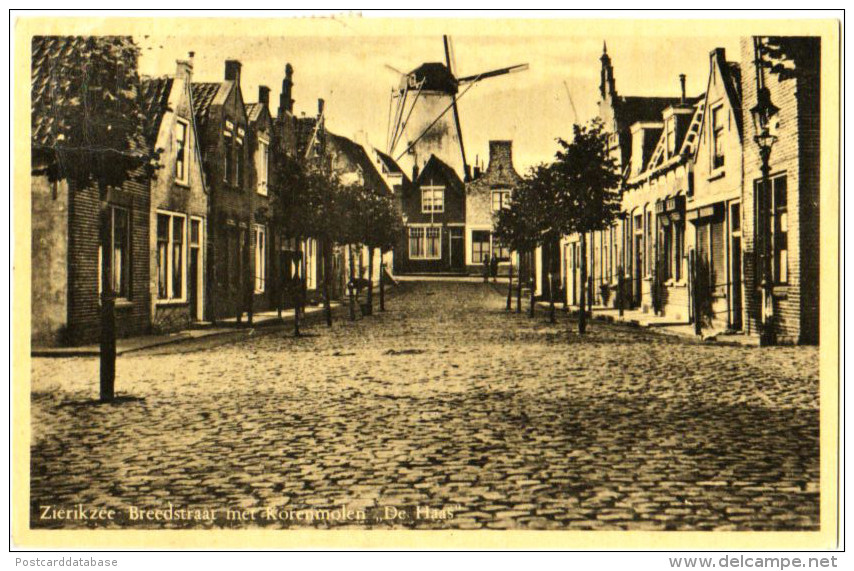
x=423, y=114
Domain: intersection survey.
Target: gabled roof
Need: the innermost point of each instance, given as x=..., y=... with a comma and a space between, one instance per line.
x=356, y=154
x=686, y=143
x=389, y=163
x=435, y=167
x=155, y=102
x=203, y=96
x=253, y=111
x=629, y=110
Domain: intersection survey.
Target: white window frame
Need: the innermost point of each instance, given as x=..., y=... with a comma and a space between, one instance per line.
x=423, y=241
x=113, y=209
x=262, y=164
x=503, y=201
x=717, y=110
x=184, y=160
x=169, y=265
x=260, y=270
x=429, y=206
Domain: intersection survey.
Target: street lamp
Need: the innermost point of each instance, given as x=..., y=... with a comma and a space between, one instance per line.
x=764, y=113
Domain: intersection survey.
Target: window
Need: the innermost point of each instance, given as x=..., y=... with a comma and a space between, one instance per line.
x=649, y=251
x=717, y=137
x=181, y=147
x=501, y=251
x=434, y=242
x=670, y=134
x=228, y=170
x=673, y=236
x=500, y=199
x=238, y=159
x=433, y=199
x=263, y=158
x=120, y=248
x=776, y=202
x=678, y=245
x=416, y=243
x=260, y=258
x=479, y=246
x=170, y=256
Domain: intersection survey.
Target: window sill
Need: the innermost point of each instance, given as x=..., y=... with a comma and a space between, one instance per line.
x=716, y=174
x=671, y=283
x=171, y=302
x=781, y=291
x=183, y=184
x=123, y=303
x=259, y=292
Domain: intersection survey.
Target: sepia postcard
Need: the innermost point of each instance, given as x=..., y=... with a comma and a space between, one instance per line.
x=348, y=281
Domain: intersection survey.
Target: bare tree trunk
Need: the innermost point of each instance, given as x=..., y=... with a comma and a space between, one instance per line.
x=532, y=283
x=351, y=286
x=297, y=289
x=582, y=315
x=382, y=282
x=370, y=297
x=552, y=318
x=510, y=286
x=108, y=308
x=327, y=262
x=519, y=287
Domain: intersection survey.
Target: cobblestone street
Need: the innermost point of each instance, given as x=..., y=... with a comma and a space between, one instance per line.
x=443, y=412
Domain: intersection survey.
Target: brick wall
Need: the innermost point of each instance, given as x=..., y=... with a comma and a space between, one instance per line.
x=795, y=154
x=132, y=316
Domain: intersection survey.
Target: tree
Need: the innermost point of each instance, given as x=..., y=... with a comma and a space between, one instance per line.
x=383, y=226
x=588, y=190
x=98, y=137
x=521, y=226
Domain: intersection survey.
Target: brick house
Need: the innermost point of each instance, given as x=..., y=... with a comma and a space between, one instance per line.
x=260, y=143
x=790, y=71
x=485, y=196
x=434, y=213
x=179, y=204
x=223, y=129
x=66, y=245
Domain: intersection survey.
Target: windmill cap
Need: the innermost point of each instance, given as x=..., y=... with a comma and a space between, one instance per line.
x=436, y=77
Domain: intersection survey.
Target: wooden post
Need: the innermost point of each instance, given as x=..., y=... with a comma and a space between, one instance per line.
x=327, y=261
x=510, y=287
x=582, y=314
x=351, y=285
x=695, y=298
x=382, y=282
x=370, y=296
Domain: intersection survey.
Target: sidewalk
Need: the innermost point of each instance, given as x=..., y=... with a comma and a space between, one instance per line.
x=223, y=328
x=658, y=323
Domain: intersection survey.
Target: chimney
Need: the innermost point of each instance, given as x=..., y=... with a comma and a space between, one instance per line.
x=500, y=156
x=184, y=70
x=286, y=103
x=476, y=173
x=414, y=172
x=682, y=83
x=232, y=70
x=320, y=105
x=264, y=95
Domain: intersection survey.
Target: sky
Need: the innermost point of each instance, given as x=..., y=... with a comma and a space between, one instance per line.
x=531, y=108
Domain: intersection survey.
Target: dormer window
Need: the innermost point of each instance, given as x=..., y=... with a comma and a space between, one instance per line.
x=262, y=159
x=670, y=134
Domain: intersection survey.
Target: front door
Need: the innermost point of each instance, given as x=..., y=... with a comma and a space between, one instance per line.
x=458, y=249
x=193, y=283
x=735, y=260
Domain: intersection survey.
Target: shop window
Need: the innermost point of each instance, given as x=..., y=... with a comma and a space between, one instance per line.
x=479, y=246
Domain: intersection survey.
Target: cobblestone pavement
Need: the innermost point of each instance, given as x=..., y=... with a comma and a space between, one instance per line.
x=443, y=412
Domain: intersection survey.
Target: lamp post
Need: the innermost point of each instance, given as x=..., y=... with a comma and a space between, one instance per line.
x=763, y=114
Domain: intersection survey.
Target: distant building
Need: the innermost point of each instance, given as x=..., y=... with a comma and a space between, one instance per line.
x=486, y=195
x=434, y=213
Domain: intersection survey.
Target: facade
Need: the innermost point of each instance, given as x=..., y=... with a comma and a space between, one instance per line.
x=780, y=220
x=266, y=285
x=179, y=204
x=434, y=213
x=66, y=247
x=485, y=196
x=223, y=129
x=702, y=228
x=714, y=207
